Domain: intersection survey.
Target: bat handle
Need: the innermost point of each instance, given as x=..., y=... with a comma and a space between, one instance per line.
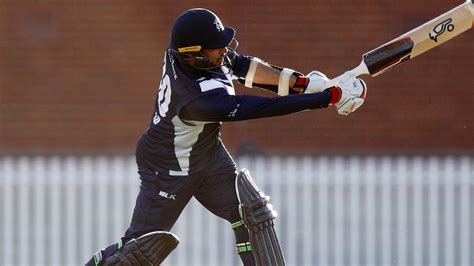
x=359, y=70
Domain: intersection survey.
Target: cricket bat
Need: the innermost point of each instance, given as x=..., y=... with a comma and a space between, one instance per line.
x=415, y=42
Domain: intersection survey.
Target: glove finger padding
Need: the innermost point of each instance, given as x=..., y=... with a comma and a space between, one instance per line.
x=316, y=82
x=354, y=92
x=350, y=106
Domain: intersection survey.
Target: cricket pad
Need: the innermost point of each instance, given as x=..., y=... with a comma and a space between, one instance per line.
x=149, y=249
x=257, y=213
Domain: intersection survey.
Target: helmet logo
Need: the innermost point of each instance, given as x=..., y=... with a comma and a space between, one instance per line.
x=218, y=24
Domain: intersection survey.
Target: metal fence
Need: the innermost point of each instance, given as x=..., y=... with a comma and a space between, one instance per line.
x=334, y=210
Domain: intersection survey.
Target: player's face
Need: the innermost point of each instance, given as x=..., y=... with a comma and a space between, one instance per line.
x=216, y=56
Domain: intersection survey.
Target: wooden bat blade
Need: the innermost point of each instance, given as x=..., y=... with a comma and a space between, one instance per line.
x=421, y=39
x=415, y=42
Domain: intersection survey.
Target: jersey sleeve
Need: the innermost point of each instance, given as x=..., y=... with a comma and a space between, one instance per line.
x=240, y=66
x=221, y=106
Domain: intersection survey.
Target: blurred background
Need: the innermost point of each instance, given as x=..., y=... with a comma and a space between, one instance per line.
x=392, y=184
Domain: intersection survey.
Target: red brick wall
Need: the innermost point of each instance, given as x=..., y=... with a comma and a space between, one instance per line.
x=80, y=76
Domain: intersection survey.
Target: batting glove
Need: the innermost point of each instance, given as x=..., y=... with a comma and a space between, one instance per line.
x=349, y=95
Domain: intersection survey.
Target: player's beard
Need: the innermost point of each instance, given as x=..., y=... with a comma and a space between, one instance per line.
x=217, y=62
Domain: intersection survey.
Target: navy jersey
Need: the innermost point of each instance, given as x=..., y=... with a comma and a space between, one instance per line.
x=171, y=145
x=184, y=133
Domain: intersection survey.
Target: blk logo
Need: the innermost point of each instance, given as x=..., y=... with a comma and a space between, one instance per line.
x=166, y=195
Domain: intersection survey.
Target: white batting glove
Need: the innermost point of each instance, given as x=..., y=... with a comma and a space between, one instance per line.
x=353, y=92
x=316, y=82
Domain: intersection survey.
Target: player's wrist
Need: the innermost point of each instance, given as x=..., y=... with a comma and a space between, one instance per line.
x=300, y=84
x=335, y=95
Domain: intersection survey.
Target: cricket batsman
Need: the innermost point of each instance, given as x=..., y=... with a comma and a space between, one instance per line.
x=181, y=154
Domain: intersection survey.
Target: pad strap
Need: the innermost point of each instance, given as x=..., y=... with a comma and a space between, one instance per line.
x=243, y=247
x=238, y=224
x=300, y=85
x=101, y=254
x=251, y=72
x=98, y=257
x=284, y=81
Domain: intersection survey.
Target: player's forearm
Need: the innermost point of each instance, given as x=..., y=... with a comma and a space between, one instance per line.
x=221, y=107
x=283, y=81
x=268, y=75
x=252, y=107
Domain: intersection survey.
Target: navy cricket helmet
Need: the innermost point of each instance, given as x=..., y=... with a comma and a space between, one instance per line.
x=197, y=29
